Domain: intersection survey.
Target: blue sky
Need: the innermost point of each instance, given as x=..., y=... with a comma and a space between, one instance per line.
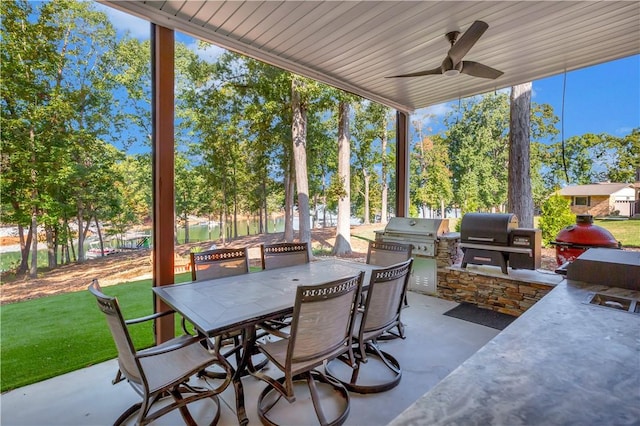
x=600, y=99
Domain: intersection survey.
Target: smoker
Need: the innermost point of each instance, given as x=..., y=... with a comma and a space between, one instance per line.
x=494, y=239
x=423, y=236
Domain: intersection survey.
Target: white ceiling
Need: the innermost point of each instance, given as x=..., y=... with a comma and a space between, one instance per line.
x=353, y=45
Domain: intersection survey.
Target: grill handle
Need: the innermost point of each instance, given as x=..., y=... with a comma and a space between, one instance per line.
x=483, y=239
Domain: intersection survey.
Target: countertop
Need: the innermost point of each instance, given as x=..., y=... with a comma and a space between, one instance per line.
x=562, y=362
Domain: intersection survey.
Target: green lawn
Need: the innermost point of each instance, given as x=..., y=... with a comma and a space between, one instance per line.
x=53, y=335
x=625, y=231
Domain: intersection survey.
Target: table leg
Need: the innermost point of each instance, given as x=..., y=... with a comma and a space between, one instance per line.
x=248, y=343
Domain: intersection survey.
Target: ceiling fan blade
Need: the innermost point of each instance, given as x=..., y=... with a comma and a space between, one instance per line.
x=419, y=73
x=467, y=40
x=479, y=70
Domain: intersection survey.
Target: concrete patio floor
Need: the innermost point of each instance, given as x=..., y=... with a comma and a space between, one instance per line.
x=435, y=345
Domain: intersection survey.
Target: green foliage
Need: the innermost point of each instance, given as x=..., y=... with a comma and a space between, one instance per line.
x=335, y=191
x=625, y=157
x=478, y=148
x=430, y=177
x=369, y=157
x=593, y=158
x=59, y=114
x=556, y=215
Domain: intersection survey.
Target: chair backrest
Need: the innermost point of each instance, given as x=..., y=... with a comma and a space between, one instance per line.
x=383, y=304
x=284, y=254
x=127, y=361
x=219, y=263
x=386, y=253
x=322, y=323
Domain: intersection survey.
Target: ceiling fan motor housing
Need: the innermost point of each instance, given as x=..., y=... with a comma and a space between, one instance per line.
x=449, y=68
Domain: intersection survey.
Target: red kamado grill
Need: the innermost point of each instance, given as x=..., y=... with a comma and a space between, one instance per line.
x=495, y=239
x=574, y=240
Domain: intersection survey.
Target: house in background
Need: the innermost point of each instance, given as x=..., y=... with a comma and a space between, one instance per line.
x=602, y=199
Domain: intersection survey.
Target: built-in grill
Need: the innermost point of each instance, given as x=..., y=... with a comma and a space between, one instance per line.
x=495, y=239
x=423, y=236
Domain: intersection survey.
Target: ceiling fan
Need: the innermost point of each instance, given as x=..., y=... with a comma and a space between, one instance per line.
x=453, y=63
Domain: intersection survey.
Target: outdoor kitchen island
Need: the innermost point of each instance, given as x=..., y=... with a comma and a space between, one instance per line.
x=562, y=362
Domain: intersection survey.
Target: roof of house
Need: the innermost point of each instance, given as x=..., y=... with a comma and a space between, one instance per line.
x=594, y=189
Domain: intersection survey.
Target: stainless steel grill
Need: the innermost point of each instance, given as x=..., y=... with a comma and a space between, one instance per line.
x=423, y=236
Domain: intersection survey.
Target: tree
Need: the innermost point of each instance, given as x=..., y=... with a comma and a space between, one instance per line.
x=477, y=137
x=299, y=138
x=626, y=157
x=520, y=197
x=342, y=245
x=58, y=110
x=369, y=159
x=189, y=185
x=430, y=177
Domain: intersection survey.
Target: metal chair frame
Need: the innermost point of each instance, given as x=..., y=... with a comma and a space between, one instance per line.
x=382, y=253
x=219, y=263
x=161, y=371
x=321, y=329
x=284, y=254
x=381, y=313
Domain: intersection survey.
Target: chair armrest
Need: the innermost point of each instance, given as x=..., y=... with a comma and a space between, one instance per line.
x=170, y=345
x=274, y=328
x=148, y=317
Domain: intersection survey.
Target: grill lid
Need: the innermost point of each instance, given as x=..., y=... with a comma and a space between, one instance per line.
x=585, y=234
x=487, y=228
x=417, y=227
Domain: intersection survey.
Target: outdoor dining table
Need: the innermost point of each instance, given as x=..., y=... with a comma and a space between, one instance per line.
x=241, y=302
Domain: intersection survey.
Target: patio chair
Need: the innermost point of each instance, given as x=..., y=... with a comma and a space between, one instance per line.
x=385, y=254
x=321, y=330
x=161, y=371
x=381, y=313
x=219, y=263
x=284, y=254
x=280, y=255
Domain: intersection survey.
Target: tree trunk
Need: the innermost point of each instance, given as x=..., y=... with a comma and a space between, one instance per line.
x=288, y=201
x=222, y=228
x=299, y=136
x=33, y=272
x=384, y=175
x=343, y=231
x=25, y=247
x=264, y=225
x=520, y=195
x=186, y=228
x=71, y=249
x=51, y=246
x=81, y=235
x=367, y=178
x=100, y=240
